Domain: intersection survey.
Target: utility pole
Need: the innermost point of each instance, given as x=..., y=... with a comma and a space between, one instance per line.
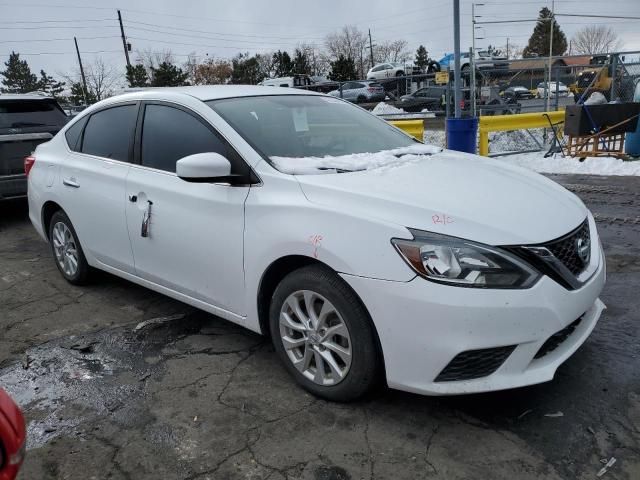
x=548, y=89
x=84, y=80
x=457, y=95
x=124, y=40
x=507, y=48
x=370, y=48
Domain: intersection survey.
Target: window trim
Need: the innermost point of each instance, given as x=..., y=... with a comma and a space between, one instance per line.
x=87, y=118
x=250, y=178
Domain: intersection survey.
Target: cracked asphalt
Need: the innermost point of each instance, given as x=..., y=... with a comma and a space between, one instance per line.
x=189, y=396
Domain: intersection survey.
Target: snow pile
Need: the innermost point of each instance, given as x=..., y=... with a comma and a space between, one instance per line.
x=356, y=161
x=385, y=109
x=558, y=164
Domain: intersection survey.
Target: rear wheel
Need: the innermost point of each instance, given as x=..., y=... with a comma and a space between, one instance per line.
x=361, y=99
x=66, y=249
x=323, y=334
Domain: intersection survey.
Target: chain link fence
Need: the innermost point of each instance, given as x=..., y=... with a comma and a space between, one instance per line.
x=501, y=88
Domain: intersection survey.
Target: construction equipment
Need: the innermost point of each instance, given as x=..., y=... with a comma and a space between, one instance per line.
x=601, y=77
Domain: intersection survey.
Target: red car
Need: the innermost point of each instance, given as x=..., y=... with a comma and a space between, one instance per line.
x=12, y=437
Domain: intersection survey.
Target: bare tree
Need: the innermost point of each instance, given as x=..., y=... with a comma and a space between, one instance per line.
x=594, y=39
x=152, y=59
x=190, y=66
x=318, y=59
x=102, y=79
x=213, y=72
x=391, y=51
x=350, y=43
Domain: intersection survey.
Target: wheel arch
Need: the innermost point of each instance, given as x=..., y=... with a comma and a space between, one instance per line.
x=48, y=209
x=277, y=271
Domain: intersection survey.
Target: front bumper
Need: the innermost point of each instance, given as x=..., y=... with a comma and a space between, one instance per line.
x=423, y=326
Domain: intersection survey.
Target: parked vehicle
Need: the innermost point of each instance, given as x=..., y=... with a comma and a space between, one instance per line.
x=360, y=91
x=12, y=437
x=517, y=93
x=306, y=82
x=483, y=61
x=561, y=90
x=391, y=69
x=359, y=250
x=430, y=98
x=25, y=122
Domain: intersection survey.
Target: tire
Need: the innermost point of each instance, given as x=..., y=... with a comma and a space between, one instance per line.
x=65, y=246
x=319, y=286
x=400, y=74
x=361, y=99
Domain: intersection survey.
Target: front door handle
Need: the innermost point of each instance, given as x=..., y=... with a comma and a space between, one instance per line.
x=70, y=182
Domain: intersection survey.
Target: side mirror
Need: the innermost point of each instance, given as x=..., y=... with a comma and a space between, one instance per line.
x=208, y=167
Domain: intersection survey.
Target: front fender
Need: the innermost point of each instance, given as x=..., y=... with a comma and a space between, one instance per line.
x=280, y=221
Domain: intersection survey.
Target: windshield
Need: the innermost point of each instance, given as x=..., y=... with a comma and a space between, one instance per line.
x=31, y=113
x=300, y=126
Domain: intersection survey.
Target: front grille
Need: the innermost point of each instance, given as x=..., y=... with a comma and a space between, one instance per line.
x=555, y=340
x=566, y=249
x=475, y=364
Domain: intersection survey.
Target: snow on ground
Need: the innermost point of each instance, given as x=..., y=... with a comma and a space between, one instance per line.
x=356, y=161
x=385, y=109
x=558, y=164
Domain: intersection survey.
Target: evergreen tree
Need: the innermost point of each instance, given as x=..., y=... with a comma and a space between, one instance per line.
x=343, y=69
x=538, y=45
x=18, y=77
x=137, y=76
x=76, y=96
x=245, y=70
x=422, y=57
x=50, y=85
x=301, y=62
x=168, y=75
x=282, y=64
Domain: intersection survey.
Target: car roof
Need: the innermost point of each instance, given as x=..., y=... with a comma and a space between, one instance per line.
x=214, y=92
x=25, y=96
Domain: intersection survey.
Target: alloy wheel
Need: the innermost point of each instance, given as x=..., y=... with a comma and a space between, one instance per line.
x=65, y=249
x=315, y=337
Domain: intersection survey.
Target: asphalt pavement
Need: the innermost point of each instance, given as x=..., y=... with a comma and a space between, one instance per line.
x=118, y=382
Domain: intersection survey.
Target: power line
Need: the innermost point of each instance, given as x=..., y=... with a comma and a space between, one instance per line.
x=56, y=39
x=127, y=22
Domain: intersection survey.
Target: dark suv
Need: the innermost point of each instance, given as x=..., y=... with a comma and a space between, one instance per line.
x=25, y=121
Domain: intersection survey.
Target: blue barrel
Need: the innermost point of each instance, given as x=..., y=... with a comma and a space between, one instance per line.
x=462, y=134
x=632, y=139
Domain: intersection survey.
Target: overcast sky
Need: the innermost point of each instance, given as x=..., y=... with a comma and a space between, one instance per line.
x=43, y=31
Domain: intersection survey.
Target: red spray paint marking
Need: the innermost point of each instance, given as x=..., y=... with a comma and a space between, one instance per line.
x=316, y=241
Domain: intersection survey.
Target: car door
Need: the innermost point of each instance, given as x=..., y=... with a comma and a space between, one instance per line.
x=194, y=241
x=93, y=178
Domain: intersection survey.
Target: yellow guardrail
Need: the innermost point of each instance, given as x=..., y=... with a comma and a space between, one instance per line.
x=519, y=121
x=415, y=128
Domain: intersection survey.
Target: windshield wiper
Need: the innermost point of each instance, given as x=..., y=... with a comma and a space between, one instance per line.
x=340, y=170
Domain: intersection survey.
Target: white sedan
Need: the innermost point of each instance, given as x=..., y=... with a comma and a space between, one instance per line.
x=555, y=88
x=361, y=252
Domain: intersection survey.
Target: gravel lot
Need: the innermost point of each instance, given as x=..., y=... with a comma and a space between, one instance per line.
x=192, y=396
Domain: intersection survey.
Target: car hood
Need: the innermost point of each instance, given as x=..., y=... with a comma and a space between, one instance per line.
x=455, y=194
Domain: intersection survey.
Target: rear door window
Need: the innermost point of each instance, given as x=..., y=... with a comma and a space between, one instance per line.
x=109, y=133
x=73, y=134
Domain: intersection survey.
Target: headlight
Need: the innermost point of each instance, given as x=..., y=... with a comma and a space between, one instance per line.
x=463, y=263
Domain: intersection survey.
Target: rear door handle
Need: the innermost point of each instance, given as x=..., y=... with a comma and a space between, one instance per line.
x=70, y=182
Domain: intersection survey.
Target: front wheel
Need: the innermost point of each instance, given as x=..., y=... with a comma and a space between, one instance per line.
x=323, y=334
x=66, y=249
